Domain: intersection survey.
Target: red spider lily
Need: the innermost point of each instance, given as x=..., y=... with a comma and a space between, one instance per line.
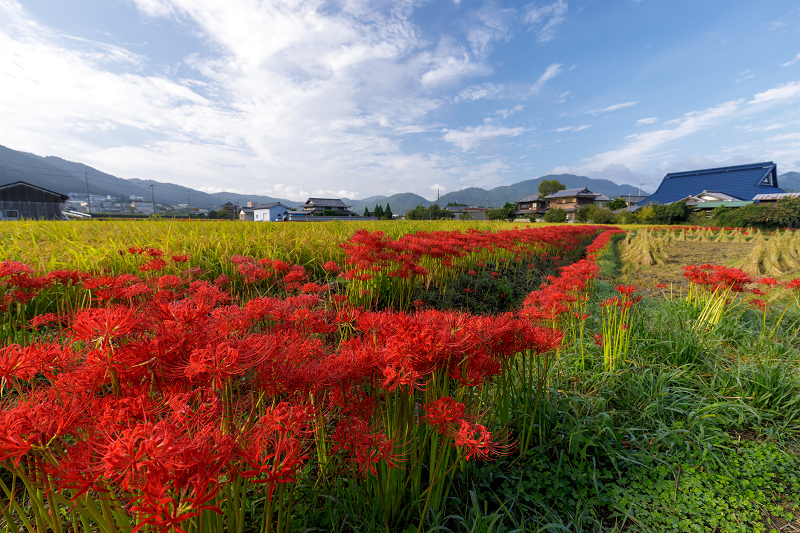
x=366, y=448
x=180, y=258
x=214, y=363
x=444, y=413
x=101, y=326
x=626, y=290
x=476, y=441
x=153, y=265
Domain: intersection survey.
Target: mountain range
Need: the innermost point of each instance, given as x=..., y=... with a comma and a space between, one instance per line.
x=67, y=177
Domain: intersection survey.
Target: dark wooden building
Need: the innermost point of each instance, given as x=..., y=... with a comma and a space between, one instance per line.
x=22, y=200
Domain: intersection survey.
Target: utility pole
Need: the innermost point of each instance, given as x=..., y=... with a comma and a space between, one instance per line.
x=88, y=198
x=188, y=205
x=153, y=194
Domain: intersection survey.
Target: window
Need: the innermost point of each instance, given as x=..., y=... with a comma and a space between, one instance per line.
x=12, y=213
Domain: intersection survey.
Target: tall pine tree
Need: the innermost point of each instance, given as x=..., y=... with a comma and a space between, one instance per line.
x=366, y=211
x=379, y=211
x=388, y=213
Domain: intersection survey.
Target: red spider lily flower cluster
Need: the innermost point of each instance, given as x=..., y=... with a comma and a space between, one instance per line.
x=713, y=277
x=415, y=254
x=166, y=389
x=168, y=386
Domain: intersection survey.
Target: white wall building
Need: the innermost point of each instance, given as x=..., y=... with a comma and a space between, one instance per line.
x=270, y=212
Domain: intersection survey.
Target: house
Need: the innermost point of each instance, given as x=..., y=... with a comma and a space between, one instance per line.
x=741, y=182
x=318, y=207
x=601, y=199
x=570, y=200
x=632, y=199
x=142, y=207
x=470, y=212
x=246, y=214
x=23, y=200
x=272, y=212
x=708, y=196
x=531, y=206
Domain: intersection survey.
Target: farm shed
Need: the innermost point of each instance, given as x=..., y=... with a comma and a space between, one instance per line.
x=740, y=182
x=708, y=207
x=22, y=200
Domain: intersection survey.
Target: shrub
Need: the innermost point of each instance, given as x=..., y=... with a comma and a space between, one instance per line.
x=555, y=215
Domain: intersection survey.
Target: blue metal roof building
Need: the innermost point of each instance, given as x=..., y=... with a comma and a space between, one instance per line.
x=742, y=182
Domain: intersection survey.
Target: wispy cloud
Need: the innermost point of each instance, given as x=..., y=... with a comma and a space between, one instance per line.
x=550, y=72
x=505, y=113
x=646, y=121
x=792, y=61
x=611, y=108
x=781, y=92
x=561, y=98
x=745, y=75
x=573, y=128
x=470, y=137
x=642, y=147
x=544, y=19
x=476, y=92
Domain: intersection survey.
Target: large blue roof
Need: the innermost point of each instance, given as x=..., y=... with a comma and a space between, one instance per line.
x=742, y=182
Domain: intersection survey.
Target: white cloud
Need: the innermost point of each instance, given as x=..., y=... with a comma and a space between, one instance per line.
x=476, y=92
x=781, y=92
x=437, y=187
x=611, y=108
x=549, y=73
x=544, y=20
x=505, y=113
x=450, y=62
x=574, y=128
x=470, y=137
x=646, y=121
x=792, y=61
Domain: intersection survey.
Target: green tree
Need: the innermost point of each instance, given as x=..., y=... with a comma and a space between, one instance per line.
x=548, y=187
x=379, y=211
x=418, y=213
x=366, y=211
x=617, y=203
x=555, y=215
x=387, y=214
x=594, y=214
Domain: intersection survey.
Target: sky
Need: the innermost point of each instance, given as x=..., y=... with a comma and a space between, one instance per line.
x=355, y=98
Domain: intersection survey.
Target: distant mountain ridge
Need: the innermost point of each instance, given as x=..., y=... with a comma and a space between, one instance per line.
x=789, y=182
x=65, y=177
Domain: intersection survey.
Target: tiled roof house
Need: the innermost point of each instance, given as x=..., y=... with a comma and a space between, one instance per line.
x=741, y=182
x=316, y=206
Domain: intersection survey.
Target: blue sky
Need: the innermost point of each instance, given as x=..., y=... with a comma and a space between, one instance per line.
x=296, y=98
